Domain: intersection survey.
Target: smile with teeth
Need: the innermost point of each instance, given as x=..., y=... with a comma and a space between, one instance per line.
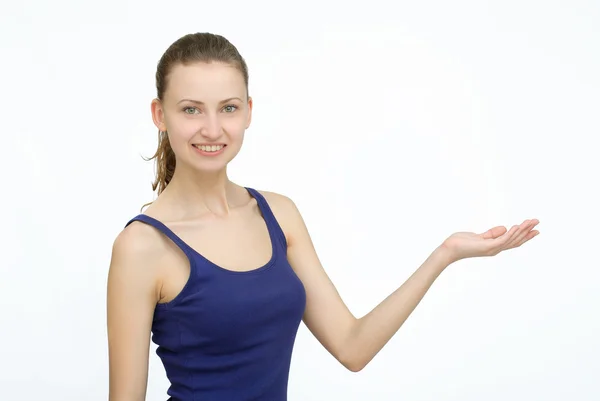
x=209, y=148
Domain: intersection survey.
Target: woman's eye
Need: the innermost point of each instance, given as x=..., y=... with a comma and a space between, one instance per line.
x=192, y=110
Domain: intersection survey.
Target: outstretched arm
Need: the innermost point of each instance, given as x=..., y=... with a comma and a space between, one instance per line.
x=355, y=342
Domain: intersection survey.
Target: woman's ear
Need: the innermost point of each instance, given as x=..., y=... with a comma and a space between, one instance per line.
x=249, y=112
x=158, y=115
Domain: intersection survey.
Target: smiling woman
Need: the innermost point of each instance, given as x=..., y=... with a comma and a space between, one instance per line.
x=222, y=274
x=203, y=99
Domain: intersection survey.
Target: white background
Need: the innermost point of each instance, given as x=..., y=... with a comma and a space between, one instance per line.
x=391, y=125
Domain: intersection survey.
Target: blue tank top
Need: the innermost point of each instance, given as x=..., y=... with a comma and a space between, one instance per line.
x=228, y=336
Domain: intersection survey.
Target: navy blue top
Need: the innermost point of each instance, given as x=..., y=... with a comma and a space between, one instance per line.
x=229, y=335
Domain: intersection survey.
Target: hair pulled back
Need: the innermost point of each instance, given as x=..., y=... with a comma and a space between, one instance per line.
x=191, y=48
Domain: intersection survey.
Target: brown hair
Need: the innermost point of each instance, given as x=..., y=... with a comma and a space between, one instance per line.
x=191, y=48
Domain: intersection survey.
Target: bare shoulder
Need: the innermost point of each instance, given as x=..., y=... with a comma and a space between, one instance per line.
x=138, y=241
x=279, y=201
x=135, y=253
x=133, y=291
x=287, y=214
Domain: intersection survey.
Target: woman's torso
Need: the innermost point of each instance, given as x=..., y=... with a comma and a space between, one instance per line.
x=230, y=305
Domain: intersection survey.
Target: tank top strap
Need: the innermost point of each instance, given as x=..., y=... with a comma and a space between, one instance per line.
x=272, y=223
x=144, y=218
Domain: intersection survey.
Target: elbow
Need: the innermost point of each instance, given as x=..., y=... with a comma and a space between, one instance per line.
x=353, y=362
x=351, y=355
x=354, y=366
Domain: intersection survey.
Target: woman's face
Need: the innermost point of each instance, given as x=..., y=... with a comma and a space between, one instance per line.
x=205, y=110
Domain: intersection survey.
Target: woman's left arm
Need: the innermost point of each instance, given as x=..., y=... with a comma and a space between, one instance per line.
x=355, y=342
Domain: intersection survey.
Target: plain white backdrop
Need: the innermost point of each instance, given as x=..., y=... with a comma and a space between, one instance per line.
x=391, y=125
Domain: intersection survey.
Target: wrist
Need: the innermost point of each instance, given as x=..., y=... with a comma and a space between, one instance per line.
x=444, y=256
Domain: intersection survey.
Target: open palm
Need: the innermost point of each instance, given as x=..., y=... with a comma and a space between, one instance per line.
x=462, y=245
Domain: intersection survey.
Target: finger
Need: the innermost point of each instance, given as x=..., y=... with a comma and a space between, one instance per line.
x=500, y=243
x=529, y=236
x=524, y=228
x=523, y=235
x=511, y=238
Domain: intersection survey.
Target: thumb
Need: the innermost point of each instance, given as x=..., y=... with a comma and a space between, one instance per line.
x=494, y=232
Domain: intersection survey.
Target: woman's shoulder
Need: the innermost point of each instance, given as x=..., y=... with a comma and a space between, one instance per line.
x=279, y=203
x=285, y=211
x=138, y=244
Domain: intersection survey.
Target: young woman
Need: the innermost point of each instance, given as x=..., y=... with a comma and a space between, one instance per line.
x=222, y=275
